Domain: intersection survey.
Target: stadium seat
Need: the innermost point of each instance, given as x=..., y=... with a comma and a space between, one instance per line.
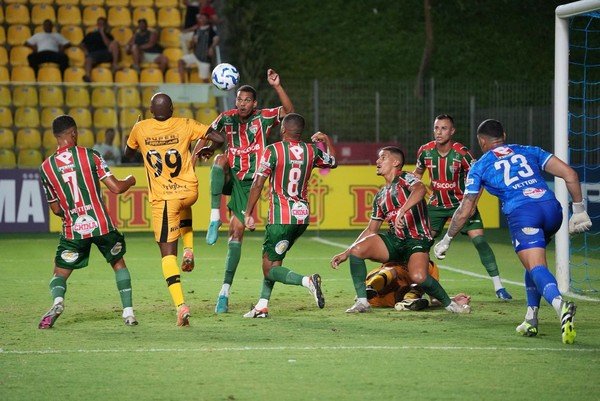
x=105, y=117
x=172, y=76
x=100, y=135
x=8, y=160
x=22, y=74
x=91, y=15
x=74, y=74
x=85, y=3
x=103, y=97
x=49, y=114
x=169, y=17
x=49, y=152
x=28, y=138
x=17, y=34
x=151, y=76
x=174, y=54
x=114, y=3
x=49, y=140
x=145, y=12
x=128, y=96
x=18, y=56
x=65, y=2
x=3, y=56
x=102, y=74
x=2, y=36
x=1, y=15
x=39, y=1
x=183, y=112
x=147, y=93
x=73, y=33
x=16, y=14
x=119, y=16
x=141, y=3
x=128, y=117
x=85, y=137
x=169, y=37
x=6, y=120
x=27, y=117
x=69, y=13
x=49, y=73
x=77, y=96
x=51, y=96
x=122, y=34
x=4, y=77
x=82, y=116
x=5, y=97
x=76, y=56
x=7, y=139
x=25, y=95
x=165, y=3
x=29, y=158
x=206, y=115
x=193, y=77
x=148, y=114
x=126, y=75
x=42, y=12
x=210, y=103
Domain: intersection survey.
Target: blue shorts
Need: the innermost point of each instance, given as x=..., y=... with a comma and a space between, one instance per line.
x=534, y=225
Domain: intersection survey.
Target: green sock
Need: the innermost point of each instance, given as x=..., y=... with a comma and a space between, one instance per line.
x=234, y=252
x=434, y=289
x=58, y=287
x=358, y=271
x=267, y=288
x=486, y=255
x=123, y=280
x=217, y=180
x=284, y=275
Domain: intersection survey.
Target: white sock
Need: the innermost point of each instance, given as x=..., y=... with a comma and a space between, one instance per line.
x=262, y=304
x=127, y=311
x=215, y=214
x=305, y=281
x=532, y=313
x=557, y=305
x=363, y=301
x=497, y=283
x=225, y=289
x=58, y=300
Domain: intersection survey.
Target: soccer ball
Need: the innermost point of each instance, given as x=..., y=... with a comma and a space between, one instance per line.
x=225, y=76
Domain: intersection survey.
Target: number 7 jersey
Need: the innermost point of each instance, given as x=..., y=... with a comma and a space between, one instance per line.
x=165, y=147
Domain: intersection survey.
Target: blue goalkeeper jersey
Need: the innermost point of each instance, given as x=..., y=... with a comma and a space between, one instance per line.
x=513, y=173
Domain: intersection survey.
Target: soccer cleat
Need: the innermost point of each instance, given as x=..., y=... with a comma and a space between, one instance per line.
x=183, y=315
x=213, y=232
x=314, y=286
x=257, y=313
x=503, y=294
x=371, y=292
x=412, y=304
x=130, y=321
x=566, y=322
x=187, y=265
x=222, y=304
x=50, y=317
x=456, y=308
x=528, y=328
x=359, y=307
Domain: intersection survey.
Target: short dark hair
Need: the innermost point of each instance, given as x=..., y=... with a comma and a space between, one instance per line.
x=143, y=20
x=294, y=123
x=249, y=89
x=445, y=117
x=491, y=128
x=62, y=123
x=396, y=151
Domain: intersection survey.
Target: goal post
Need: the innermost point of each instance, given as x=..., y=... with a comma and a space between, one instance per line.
x=563, y=14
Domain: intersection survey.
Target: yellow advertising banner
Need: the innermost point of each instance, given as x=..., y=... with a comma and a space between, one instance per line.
x=340, y=199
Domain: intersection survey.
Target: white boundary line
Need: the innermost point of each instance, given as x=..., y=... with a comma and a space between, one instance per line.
x=460, y=271
x=299, y=348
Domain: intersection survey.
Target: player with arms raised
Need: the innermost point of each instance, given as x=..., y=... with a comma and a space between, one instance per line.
x=513, y=173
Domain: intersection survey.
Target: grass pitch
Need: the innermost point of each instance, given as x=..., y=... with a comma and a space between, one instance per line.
x=299, y=353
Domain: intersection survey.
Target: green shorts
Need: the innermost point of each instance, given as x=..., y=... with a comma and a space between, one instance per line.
x=239, y=191
x=75, y=253
x=400, y=250
x=279, y=239
x=438, y=217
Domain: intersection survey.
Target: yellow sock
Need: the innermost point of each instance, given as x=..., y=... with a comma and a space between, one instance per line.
x=185, y=228
x=381, y=280
x=172, y=276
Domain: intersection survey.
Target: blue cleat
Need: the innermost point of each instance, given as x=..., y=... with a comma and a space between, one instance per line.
x=503, y=294
x=213, y=232
x=222, y=304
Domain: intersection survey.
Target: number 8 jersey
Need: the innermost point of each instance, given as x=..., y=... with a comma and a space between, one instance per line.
x=513, y=173
x=165, y=147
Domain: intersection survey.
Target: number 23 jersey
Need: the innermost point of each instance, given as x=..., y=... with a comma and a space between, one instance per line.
x=165, y=147
x=513, y=173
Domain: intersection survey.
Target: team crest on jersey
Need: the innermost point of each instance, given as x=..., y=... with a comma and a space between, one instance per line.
x=253, y=129
x=534, y=193
x=69, y=256
x=116, y=249
x=502, y=151
x=282, y=246
x=300, y=211
x=85, y=224
x=530, y=230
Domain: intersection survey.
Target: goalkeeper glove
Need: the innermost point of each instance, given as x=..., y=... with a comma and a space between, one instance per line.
x=579, y=221
x=441, y=247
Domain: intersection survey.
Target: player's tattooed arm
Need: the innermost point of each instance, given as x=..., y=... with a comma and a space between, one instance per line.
x=461, y=215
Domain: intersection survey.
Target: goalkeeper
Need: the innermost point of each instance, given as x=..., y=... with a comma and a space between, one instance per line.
x=513, y=173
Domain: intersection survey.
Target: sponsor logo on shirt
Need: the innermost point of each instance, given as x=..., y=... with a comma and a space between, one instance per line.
x=530, y=230
x=160, y=141
x=69, y=256
x=282, y=246
x=440, y=185
x=85, y=224
x=254, y=148
x=502, y=151
x=534, y=193
x=116, y=249
x=300, y=211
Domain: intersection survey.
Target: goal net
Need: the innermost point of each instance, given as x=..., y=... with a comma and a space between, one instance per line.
x=577, y=139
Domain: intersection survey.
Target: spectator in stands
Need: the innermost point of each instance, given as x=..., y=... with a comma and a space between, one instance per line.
x=144, y=47
x=100, y=47
x=109, y=152
x=203, y=43
x=48, y=47
x=195, y=7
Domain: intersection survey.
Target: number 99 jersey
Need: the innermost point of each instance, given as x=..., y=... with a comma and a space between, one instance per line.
x=165, y=147
x=513, y=173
